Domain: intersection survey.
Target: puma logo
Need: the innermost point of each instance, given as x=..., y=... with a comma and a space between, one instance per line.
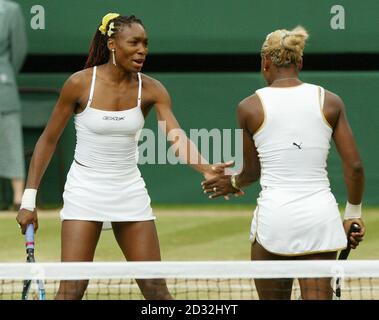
x=297, y=145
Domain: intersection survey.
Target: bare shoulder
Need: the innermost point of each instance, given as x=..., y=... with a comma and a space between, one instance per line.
x=333, y=99
x=250, y=113
x=154, y=89
x=333, y=107
x=250, y=104
x=152, y=83
x=76, y=84
x=80, y=78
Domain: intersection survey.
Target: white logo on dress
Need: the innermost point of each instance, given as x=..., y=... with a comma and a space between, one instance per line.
x=113, y=118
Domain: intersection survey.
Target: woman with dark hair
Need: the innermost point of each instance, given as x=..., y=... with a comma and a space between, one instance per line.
x=110, y=99
x=287, y=128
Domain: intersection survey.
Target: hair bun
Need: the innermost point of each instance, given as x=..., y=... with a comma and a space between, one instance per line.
x=285, y=47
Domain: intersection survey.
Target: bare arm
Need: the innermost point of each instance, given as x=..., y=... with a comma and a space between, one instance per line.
x=346, y=147
x=47, y=142
x=335, y=113
x=250, y=117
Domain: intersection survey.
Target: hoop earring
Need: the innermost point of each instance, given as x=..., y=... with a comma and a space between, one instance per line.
x=113, y=57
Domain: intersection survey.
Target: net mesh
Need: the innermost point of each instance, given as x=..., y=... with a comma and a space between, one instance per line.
x=199, y=280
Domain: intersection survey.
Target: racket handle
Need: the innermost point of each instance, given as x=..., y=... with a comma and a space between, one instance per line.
x=29, y=236
x=354, y=228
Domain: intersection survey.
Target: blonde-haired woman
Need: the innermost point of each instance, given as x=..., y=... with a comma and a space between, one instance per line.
x=287, y=127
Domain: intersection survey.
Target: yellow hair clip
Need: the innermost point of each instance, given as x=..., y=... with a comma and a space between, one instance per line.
x=110, y=29
x=106, y=19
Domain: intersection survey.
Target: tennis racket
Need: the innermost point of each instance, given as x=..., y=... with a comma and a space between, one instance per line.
x=344, y=254
x=37, y=286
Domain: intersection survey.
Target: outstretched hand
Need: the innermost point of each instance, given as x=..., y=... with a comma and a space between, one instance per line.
x=220, y=186
x=216, y=171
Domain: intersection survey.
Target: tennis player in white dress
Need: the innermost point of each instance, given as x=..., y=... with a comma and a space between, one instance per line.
x=104, y=182
x=288, y=127
x=109, y=99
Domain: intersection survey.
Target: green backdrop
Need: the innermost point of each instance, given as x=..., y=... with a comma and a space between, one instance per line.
x=208, y=100
x=207, y=26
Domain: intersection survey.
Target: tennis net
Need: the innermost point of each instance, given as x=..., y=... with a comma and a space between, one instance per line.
x=225, y=280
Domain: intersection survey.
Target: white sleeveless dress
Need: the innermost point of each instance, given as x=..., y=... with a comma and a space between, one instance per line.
x=296, y=212
x=104, y=183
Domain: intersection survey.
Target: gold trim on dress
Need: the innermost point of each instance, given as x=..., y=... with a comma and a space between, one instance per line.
x=321, y=109
x=264, y=116
x=303, y=253
x=255, y=215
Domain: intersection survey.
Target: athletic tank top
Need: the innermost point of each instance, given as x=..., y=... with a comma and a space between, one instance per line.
x=294, y=140
x=108, y=139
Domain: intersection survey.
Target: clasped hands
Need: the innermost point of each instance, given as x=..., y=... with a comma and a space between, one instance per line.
x=217, y=182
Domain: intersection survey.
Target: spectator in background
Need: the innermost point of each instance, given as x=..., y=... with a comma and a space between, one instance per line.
x=13, y=44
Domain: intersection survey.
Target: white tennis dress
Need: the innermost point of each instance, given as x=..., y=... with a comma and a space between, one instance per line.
x=296, y=212
x=104, y=183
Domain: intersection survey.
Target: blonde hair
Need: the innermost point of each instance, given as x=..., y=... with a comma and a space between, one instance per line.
x=285, y=47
